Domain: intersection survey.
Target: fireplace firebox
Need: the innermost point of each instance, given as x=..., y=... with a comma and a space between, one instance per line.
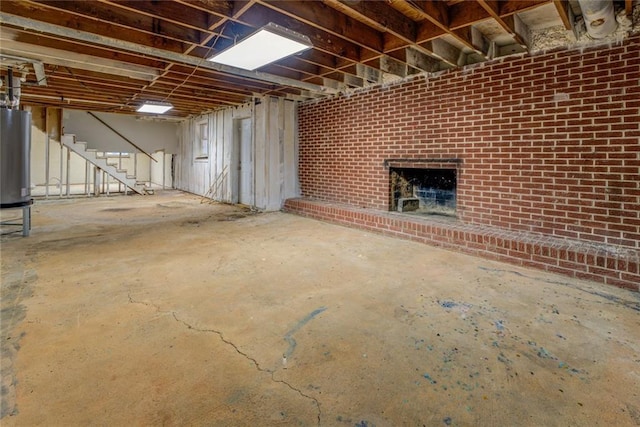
x=427, y=191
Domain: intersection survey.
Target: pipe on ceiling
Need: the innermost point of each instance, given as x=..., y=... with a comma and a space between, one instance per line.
x=599, y=17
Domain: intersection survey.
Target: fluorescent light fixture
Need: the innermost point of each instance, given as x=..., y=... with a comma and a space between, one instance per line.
x=269, y=44
x=155, y=107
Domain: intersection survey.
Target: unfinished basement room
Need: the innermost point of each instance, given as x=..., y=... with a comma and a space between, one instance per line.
x=358, y=213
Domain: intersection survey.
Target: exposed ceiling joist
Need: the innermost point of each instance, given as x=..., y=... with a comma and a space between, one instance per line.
x=140, y=49
x=114, y=53
x=76, y=60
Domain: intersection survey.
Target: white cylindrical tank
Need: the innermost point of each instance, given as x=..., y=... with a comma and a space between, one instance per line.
x=599, y=17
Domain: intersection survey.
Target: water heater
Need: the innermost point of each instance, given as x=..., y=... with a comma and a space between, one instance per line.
x=15, y=151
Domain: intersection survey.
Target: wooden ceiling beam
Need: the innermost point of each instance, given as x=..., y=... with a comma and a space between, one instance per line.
x=259, y=15
x=388, y=19
x=466, y=13
x=90, y=76
x=7, y=19
x=55, y=42
x=180, y=73
x=62, y=18
x=104, y=88
x=223, y=9
x=416, y=59
x=77, y=60
x=323, y=17
x=378, y=15
x=198, y=92
x=492, y=7
x=510, y=7
x=61, y=101
x=115, y=16
x=562, y=7
x=398, y=30
x=168, y=11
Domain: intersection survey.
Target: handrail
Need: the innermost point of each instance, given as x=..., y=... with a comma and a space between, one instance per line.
x=121, y=136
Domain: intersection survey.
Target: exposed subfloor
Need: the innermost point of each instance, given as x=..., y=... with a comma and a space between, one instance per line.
x=161, y=310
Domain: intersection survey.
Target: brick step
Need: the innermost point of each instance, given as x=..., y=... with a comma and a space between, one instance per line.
x=613, y=265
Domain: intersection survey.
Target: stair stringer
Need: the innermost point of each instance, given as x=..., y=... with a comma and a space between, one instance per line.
x=80, y=148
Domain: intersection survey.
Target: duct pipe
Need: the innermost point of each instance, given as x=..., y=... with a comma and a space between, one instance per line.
x=11, y=99
x=10, y=83
x=599, y=17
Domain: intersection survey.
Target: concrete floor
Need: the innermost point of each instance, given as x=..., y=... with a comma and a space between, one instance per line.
x=160, y=310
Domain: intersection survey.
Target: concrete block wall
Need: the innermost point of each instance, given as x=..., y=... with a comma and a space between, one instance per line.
x=548, y=144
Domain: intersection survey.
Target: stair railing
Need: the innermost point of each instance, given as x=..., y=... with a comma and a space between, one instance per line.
x=121, y=136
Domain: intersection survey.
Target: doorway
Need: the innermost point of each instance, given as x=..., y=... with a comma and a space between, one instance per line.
x=243, y=130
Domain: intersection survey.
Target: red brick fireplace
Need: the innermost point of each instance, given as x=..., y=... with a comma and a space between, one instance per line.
x=423, y=186
x=547, y=159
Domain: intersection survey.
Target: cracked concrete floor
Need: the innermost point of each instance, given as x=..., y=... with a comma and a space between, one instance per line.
x=160, y=310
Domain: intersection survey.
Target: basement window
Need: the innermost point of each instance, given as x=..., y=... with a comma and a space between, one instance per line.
x=201, y=146
x=423, y=191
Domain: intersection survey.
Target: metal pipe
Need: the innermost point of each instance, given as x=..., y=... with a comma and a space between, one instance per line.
x=599, y=17
x=26, y=220
x=10, y=86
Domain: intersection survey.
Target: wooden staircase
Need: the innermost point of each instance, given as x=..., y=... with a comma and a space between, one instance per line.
x=103, y=163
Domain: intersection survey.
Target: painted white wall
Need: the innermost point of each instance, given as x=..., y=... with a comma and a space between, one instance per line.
x=149, y=135
x=66, y=167
x=161, y=169
x=273, y=158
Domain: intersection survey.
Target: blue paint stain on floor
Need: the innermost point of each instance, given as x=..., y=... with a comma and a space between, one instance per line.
x=288, y=337
x=448, y=304
x=428, y=377
x=633, y=305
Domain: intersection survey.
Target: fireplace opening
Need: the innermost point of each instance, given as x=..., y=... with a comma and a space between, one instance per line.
x=423, y=191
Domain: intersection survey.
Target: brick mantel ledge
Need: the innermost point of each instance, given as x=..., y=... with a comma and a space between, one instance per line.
x=607, y=264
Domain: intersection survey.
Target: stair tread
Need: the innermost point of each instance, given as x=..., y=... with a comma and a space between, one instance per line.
x=120, y=175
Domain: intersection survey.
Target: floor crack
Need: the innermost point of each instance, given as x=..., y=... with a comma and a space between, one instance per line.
x=148, y=304
x=297, y=390
x=224, y=340
x=271, y=372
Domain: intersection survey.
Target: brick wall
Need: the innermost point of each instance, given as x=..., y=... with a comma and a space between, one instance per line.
x=549, y=144
x=549, y=151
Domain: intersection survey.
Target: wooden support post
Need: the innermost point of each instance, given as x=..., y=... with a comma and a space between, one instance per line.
x=46, y=168
x=96, y=181
x=68, y=172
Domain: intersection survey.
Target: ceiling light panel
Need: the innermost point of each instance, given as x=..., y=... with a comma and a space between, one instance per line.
x=269, y=44
x=154, y=107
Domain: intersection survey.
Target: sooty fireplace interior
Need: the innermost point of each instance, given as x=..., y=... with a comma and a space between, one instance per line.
x=428, y=191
